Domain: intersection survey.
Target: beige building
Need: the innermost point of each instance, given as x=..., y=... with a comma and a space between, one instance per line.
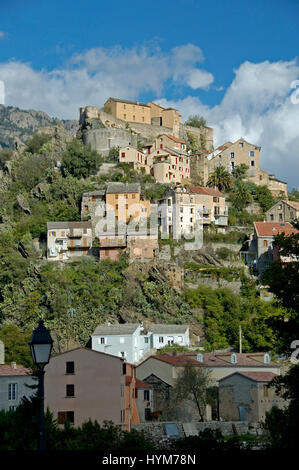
x=170, y=166
x=67, y=240
x=183, y=209
x=230, y=155
x=169, y=141
x=283, y=211
x=83, y=384
x=135, y=158
x=166, y=117
x=246, y=396
x=141, y=245
x=129, y=111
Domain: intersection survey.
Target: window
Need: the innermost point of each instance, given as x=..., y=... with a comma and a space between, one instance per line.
x=127, y=206
x=265, y=390
x=64, y=416
x=70, y=367
x=70, y=390
x=241, y=144
x=53, y=234
x=234, y=358
x=146, y=396
x=102, y=340
x=12, y=391
x=191, y=219
x=12, y=408
x=191, y=210
x=251, y=154
x=123, y=154
x=124, y=369
x=146, y=339
x=125, y=116
x=116, y=196
x=133, y=117
x=265, y=243
x=232, y=155
x=252, y=163
x=271, y=217
x=280, y=217
x=124, y=106
x=86, y=208
x=161, y=339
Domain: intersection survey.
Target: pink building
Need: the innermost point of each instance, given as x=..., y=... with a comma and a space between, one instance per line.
x=83, y=384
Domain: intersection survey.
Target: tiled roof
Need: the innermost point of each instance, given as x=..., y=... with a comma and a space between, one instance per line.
x=175, y=139
x=271, y=229
x=293, y=204
x=208, y=191
x=178, y=360
x=123, y=188
x=9, y=370
x=243, y=360
x=66, y=225
x=137, y=103
x=259, y=376
x=116, y=329
x=167, y=329
x=140, y=384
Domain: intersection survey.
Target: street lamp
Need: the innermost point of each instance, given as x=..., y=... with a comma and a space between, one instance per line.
x=41, y=346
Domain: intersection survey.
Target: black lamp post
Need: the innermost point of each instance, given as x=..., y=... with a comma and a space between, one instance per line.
x=41, y=346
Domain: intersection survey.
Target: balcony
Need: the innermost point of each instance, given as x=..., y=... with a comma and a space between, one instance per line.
x=85, y=242
x=76, y=233
x=113, y=242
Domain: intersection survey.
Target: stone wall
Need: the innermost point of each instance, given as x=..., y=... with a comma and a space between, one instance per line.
x=102, y=140
x=155, y=430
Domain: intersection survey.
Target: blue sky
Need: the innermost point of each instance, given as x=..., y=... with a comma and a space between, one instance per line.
x=234, y=61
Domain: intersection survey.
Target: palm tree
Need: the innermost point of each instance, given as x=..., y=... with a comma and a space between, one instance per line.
x=220, y=178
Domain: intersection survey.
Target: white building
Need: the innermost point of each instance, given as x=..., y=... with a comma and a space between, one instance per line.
x=130, y=342
x=66, y=240
x=13, y=385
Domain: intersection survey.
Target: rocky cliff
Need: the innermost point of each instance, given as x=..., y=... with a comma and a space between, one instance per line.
x=20, y=124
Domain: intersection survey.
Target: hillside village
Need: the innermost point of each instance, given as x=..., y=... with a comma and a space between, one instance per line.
x=144, y=250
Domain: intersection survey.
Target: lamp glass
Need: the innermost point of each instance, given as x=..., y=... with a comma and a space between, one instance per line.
x=41, y=353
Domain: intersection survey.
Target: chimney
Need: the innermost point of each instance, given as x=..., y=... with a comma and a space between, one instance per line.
x=13, y=365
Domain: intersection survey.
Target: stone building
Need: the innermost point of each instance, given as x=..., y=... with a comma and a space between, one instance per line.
x=230, y=155
x=129, y=111
x=258, y=251
x=246, y=396
x=283, y=211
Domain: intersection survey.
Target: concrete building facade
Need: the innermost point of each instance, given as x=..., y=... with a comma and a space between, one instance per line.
x=283, y=211
x=68, y=240
x=14, y=382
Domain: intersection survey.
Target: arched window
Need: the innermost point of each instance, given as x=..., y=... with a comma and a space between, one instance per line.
x=234, y=358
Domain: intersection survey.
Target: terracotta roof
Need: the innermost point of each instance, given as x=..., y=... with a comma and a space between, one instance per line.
x=243, y=360
x=9, y=370
x=270, y=229
x=293, y=204
x=140, y=384
x=175, y=139
x=259, y=376
x=179, y=360
x=208, y=191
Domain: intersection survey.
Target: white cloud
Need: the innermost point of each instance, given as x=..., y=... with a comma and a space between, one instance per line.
x=258, y=107
x=91, y=77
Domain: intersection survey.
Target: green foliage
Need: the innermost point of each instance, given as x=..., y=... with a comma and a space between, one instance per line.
x=240, y=195
x=226, y=254
x=224, y=312
x=239, y=171
x=196, y=121
x=37, y=142
x=282, y=424
x=113, y=154
x=5, y=155
x=294, y=195
x=19, y=431
x=216, y=272
x=220, y=178
x=233, y=236
x=16, y=345
x=80, y=161
x=171, y=348
x=242, y=217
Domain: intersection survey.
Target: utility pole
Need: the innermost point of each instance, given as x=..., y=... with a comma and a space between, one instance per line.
x=240, y=339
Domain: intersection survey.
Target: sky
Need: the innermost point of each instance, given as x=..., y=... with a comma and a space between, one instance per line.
x=235, y=62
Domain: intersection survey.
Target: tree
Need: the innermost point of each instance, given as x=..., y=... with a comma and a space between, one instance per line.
x=196, y=121
x=16, y=345
x=5, y=155
x=36, y=142
x=240, y=196
x=282, y=425
x=220, y=178
x=79, y=160
x=239, y=172
x=192, y=384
